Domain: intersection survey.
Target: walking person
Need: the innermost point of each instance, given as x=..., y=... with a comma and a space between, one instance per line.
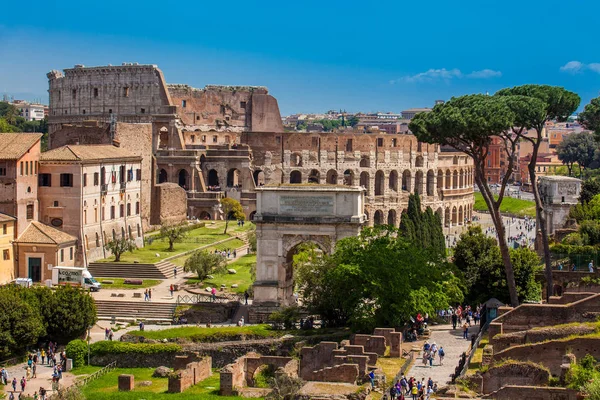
x=454, y=320
x=175, y=272
x=213, y=294
x=43, y=356
x=246, y=296
x=146, y=295
x=150, y=294
x=23, y=384
x=465, y=331
x=171, y=289
x=441, y=354
x=14, y=384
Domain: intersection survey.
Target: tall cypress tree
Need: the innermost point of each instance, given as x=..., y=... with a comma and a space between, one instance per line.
x=422, y=228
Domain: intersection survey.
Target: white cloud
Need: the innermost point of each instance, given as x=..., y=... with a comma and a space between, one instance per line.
x=444, y=74
x=485, y=74
x=572, y=67
x=576, y=67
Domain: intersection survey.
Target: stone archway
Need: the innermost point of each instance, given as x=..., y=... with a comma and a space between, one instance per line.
x=213, y=178
x=162, y=176
x=182, y=178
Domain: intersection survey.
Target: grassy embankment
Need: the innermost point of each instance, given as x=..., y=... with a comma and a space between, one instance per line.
x=510, y=205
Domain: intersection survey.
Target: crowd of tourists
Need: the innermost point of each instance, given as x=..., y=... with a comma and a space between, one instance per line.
x=412, y=389
x=48, y=356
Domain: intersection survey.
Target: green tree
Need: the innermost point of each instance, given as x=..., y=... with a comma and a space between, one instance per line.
x=10, y=113
x=251, y=237
x=558, y=104
x=5, y=127
x=422, y=228
x=69, y=314
x=590, y=116
x=391, y=279
x=468, y=124
x=204, y=263
x=21, y=325
x=478, y=258
x=173, y=233
x=353, y=121
x=589, y=189
x=119, y=246
x=232, y=209
x=577, y=148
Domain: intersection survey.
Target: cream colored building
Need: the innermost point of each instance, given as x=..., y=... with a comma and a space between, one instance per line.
x=93, y=193
x=7, y=258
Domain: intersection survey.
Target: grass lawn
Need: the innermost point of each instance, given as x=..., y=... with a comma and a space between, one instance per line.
x=391, y=366
x=106, y=388
x=243, y=277
x=230, y=244
x=199, y=237
x=475, y=363
x=199, y=334
x=118, y=283
x=510, y=205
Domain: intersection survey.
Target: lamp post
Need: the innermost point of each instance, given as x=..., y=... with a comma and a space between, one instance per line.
x=89, y=338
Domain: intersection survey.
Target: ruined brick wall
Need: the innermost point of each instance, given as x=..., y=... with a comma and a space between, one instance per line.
x=512, y=392
x=371, y=343
x=89, y=132
x=523, y=374
x=232, y=377
x=550, y=354
x=170, y=204
x=190, y=375
x=315, y=358
x=537, y=335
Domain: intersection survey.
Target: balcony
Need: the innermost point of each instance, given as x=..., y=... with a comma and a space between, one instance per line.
x=103, y=189
x=123, y=187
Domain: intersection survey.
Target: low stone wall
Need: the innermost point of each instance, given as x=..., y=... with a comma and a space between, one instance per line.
x=513, y=373
x=209, y=312
x=321, y=360
x=191, y=373
x=570, y=297
x=504, y=341
x=528, y=316
x=240, y=373
x=512, y=392
x=136, y=360
x=550, y=354
x=371, y=343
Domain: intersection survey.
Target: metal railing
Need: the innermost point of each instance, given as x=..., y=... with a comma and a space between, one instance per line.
x=84, y=381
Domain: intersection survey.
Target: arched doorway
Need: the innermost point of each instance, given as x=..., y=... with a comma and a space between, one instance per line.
x=183, y=178
x=348, y=177
x=461, y=217
x=162, y=176
x=296, y=177
x=314, y=176
x=364, y=162
x=391, y=220
x=259, y=177
x=163, y=138
x=406, y=183
x=204, y=216
x=419, y=183
x=393, y=181
x=364, y=181
x=233, y=177
x=213, y=178
x=448, y=184
x=251, y=216
x=289, y=285
x=332, y=177
x=430, y=182
x=419, y=161
x=379, y=183
x=378, y=217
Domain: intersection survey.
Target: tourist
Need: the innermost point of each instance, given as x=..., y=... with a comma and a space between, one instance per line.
x=415, y=392
x=241, y=322
x=591, y=266
x=33, y=370
x=171, y=289
x=465, y=331
x=150, y=294
x=43, y=355
x=14, y=384
x=393, y=392
x=175, y=272
x=441, y=354
x=372, y=379
x=42, y=393
x=234, y=253
x=11, y=396
x=454, y=320
x=23, y=384
x=110, y=337
x=146, y=295
x=246, y=296
x=3, y=376
x=141, y=326
x=213, y=294
x=28, y=372
x=426, y=357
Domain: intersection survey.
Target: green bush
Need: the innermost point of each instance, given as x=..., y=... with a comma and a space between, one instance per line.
x=77, y=350
x=286, y=318
x=110, y=347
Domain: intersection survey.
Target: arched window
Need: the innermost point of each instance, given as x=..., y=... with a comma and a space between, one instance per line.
x=348, y=177
x=295, y=177
x=97, y=240
x=213, y=178
x=393, y=181
x=379, y=183
x=332, y=177
x=314, y=176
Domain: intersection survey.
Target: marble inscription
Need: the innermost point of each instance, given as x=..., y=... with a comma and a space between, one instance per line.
x=321, y=205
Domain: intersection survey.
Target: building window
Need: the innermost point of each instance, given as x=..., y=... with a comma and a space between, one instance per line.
x=4, y=229
x=36, y=167
x=379, y=142
x=121, y=210
x=183, y=103
x=193, y=138
x=55, y=203
x=85, y=216
x=125, y=92
x=96, y=178
x=128, y=209
x=138, y=174
x=349, y=145
x=6, y=254
x=74, y=94
x=143, y=111
x=84, y=180
x=203, y=138
x=66, y=180
x=2, y=169
x=62, y=255
x=26, y=168
x=137, y=207
x=214, y=138
x=83, y=111
x=95, y=92
x=278, y=139
x=112, y=212
x=29, y=211
x=222, y=109
x=70, y=253
x=110, y=110
x=243, y=105
x=95, y=214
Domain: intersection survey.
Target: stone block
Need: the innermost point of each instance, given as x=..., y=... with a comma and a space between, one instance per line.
x=395, y=344
x=385, y=332
x=126, y=383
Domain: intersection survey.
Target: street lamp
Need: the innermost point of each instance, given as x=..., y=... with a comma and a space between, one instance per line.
x=89, y=338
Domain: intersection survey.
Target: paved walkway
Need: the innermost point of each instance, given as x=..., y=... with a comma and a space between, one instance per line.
x=43, y=379
x=454, y=345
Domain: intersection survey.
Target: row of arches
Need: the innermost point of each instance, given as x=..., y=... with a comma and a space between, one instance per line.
x=183, y=177
x=113, y=236
x=296, y=160
x=450, y=216
x=457, y=179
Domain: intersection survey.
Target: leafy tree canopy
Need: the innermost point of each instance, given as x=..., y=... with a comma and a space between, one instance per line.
x=590, y=116
x=577, y=148
x=422, y=228
x=232, y=209
x=204, y=263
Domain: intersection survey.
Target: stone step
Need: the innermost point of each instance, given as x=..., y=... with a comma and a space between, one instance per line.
x=135, y=310
x=126, y=270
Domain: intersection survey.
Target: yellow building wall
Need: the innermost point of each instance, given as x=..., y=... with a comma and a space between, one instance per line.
x=7, y=266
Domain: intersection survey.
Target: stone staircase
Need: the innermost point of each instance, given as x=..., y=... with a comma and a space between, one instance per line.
x=160, y=270
x=138, y=310
x=241, y=311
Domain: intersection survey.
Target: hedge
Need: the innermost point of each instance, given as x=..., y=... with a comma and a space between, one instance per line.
x=109, y=347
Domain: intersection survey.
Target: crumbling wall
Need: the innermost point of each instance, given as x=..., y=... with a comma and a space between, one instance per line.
x=170, y=204
x=512, y=392
x=537, y=335
x=514, y=373
x=371, y=343
x=188, y=373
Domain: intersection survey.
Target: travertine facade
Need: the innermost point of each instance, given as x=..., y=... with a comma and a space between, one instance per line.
x=228, y=140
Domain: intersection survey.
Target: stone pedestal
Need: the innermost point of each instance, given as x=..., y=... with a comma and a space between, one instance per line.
x=396, y=344
x=126, y=383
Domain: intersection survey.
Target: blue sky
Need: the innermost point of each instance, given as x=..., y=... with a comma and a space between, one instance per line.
x=313, y=55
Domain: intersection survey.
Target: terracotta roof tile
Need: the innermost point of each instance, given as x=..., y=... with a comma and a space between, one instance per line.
x=37, y=232
x=6, y=217
x=86, y=152
x=14, y=145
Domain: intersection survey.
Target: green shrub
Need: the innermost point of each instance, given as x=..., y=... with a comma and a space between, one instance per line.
x=77, y=350
x=286, y=318
x=110, y=347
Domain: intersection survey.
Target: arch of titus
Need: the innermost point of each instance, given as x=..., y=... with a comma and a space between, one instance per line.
x=289, y=215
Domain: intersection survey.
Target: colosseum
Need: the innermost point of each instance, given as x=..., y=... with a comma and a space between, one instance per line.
x=227, y=140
